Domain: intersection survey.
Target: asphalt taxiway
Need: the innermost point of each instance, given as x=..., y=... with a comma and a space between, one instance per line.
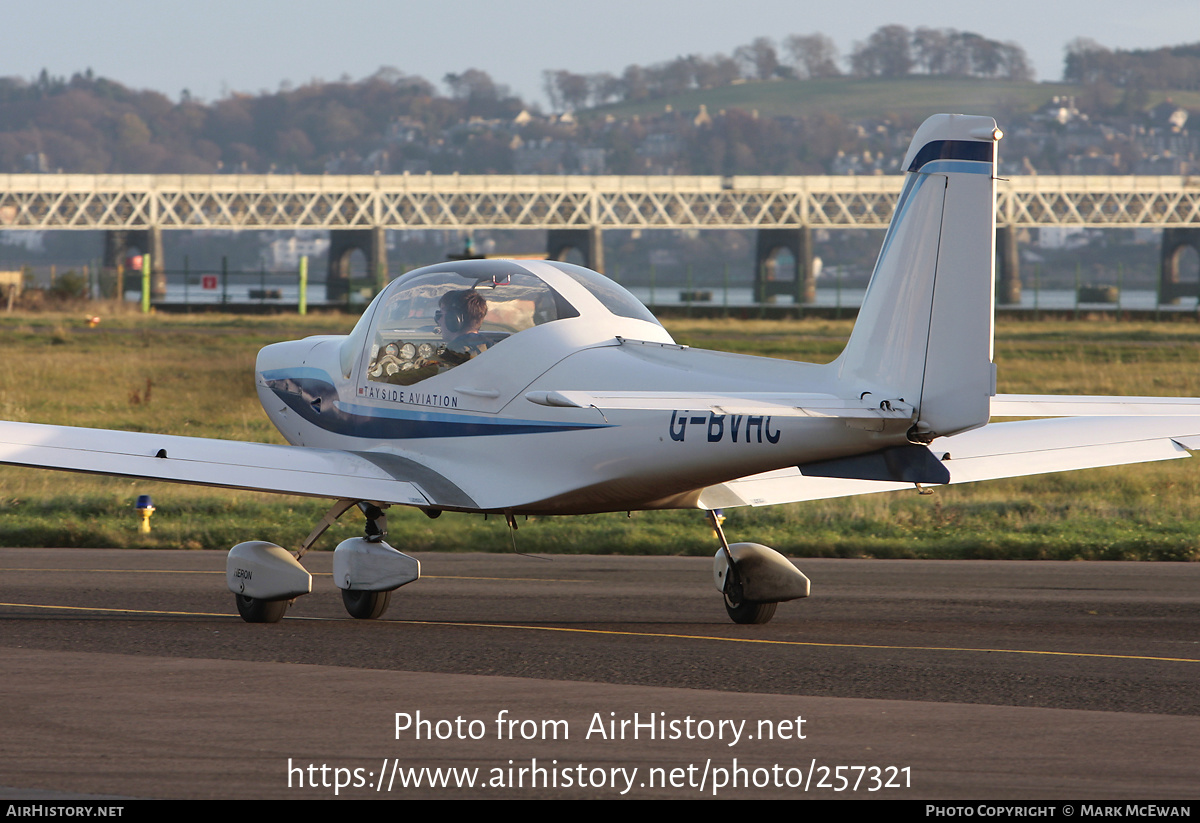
x=127, y=673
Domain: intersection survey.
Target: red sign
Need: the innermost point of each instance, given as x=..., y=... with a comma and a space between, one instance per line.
x=208, y=282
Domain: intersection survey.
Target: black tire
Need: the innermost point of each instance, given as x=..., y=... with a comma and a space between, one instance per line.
x=364, y=605
x=748, y=612
x=254, y=610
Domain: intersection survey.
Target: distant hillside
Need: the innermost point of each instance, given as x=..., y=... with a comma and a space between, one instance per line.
x=910, y=99
x=393, y=123
x=771, y=107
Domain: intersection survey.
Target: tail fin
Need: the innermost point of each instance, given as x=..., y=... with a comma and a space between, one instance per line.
x=924, y=332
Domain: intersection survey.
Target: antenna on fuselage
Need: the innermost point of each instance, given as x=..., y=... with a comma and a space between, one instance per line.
x=511, y=519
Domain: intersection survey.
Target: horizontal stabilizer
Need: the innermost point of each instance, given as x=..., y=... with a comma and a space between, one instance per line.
x=999, y=450
x=1049, y=405
x=900, y=464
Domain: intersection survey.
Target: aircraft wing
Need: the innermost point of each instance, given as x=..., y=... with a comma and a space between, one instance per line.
x=382, y=478
x=1049, y=405
x=997, y=450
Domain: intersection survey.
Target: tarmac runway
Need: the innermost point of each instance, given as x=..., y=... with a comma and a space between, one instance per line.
x=128, y=674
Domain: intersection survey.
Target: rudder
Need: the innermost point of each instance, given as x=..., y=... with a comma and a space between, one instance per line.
x=924, y=332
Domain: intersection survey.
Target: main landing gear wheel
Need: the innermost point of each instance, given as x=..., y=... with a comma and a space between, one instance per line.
x=748, y=612
x=741, y=610
x=737, y=606
x=364, y=605
x=255, y=610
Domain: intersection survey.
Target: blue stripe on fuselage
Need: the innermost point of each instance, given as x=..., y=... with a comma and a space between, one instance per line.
x=913, y=184
x=301, y=389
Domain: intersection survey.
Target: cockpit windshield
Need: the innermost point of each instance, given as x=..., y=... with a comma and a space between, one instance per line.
x=428, y=322
x=614, y=297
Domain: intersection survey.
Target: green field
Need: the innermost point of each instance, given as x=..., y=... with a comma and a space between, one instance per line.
x=192, y=375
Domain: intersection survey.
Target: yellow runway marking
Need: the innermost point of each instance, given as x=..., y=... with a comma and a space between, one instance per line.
x=116, y=611
x=314, y=574
x=664, y=635
x=807, y=643
x=516, y=579
x=119, y=571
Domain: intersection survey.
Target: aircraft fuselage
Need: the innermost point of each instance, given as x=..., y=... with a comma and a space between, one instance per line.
x=559, y=459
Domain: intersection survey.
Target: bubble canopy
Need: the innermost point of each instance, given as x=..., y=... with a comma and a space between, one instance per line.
x=432, y=319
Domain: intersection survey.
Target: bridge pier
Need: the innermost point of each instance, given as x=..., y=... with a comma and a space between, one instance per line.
x=119, y=242
x=342, y=245
x=1008, y=267
x=1174, y=241
x=802, y=285
x=589, y=242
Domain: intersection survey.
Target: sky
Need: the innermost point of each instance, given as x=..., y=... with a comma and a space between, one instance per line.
x=216, y=47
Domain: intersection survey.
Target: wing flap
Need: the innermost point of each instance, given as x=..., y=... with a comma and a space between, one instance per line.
x=207, y=462
x=996, y=451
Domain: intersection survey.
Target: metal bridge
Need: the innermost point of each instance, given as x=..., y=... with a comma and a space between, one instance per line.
x=575, y=208
x=100, y=202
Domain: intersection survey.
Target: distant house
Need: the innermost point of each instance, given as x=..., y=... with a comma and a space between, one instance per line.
x=285, y=252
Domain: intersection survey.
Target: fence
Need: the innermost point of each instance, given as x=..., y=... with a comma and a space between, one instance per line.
x=206, y=289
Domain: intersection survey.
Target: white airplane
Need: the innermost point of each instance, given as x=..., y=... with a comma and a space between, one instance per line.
x=523, y=387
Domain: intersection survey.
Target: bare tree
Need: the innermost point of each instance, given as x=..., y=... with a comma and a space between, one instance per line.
x=895, y=55
x=813, y=55
x=885, y=54
x=931, y=48
x=472, y=84
x=604, y=88
x=670, y=78
x=958, y=55
x=1086, y=60
x=758, y=58
x=566, y=90
x=985, y=54
x=550, y=86
x=633, y=81
x=714, y=72
x=573, y=88
x=1015, y=63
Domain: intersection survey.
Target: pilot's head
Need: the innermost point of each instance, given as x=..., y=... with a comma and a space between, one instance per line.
x=462, y=312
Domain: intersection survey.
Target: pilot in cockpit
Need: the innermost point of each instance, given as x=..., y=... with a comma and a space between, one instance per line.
x=459, y=317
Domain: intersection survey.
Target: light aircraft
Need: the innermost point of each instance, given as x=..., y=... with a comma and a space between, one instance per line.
x=536, y=387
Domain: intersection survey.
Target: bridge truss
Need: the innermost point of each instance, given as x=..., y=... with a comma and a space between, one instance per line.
x=454, y=202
